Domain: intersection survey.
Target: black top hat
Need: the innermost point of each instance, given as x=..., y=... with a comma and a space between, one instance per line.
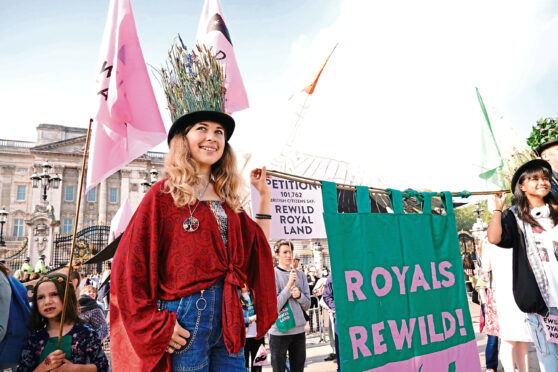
x=531, y=164
x=197, y=116
x=43, y=256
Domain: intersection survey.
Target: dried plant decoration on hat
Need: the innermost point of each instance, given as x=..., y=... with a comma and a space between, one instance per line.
x=194, y=85
x=193, y=80
x=543, y=135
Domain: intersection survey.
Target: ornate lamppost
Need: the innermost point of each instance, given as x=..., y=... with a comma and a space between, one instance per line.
x=478, y=211
x=150, y=179
x=317, y=250
x=45, y=179
x=3, y=219
x=479, y=227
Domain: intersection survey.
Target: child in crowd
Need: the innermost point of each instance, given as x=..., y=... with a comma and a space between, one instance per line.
x=252, y=344
x=80, y=344
x=91, y=311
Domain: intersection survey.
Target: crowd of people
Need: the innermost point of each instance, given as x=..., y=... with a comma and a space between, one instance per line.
x=27, y=272
x=516, y=287
x=29, y=327
x=87, y=320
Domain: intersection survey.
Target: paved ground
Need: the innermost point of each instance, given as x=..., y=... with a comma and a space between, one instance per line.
x=316, y=351
x=481, y=343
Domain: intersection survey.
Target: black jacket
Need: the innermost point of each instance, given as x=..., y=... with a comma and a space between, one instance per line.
x=86, y=303
x=525, y=288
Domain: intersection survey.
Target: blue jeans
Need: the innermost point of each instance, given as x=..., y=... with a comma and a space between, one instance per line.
x=547, y=352
x=201, y=314
x=491, y=350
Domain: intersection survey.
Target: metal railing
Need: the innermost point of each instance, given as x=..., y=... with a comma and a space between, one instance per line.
x=317, y=321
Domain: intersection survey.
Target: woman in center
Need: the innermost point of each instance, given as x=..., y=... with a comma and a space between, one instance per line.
x=184, y=256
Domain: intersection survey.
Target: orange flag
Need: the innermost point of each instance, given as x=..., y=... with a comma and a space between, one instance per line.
x=310, y=87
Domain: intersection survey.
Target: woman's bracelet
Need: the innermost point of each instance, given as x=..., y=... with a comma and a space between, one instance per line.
x=261, y=216
x=497, y=210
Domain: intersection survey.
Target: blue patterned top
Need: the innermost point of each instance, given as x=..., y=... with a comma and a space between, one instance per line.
x=86, y=348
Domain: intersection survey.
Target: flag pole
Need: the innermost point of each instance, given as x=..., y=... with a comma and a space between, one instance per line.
x=291, y=145
x=62, y=317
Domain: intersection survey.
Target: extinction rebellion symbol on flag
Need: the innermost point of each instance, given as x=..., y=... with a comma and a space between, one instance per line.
x=108, y=69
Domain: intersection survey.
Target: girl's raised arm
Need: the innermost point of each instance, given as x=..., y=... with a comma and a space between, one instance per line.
x=494, y=232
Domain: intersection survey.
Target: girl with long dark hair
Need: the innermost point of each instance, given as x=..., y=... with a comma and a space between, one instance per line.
x=530, y=228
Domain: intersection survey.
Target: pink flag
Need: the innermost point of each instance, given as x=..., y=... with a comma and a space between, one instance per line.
x=213, y=32
x=120, y=220
x=128, y=121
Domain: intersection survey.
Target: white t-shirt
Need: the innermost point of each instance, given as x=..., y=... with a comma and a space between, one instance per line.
x=547, y=244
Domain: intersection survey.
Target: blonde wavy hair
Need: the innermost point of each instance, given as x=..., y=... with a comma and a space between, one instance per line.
x=181, y=172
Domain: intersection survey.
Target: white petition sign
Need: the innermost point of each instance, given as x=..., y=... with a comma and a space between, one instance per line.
x=296, y=210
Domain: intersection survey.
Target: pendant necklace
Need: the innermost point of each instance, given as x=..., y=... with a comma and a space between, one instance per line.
x=191, y=223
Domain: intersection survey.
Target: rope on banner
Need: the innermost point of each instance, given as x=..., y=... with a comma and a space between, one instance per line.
x=342, y=186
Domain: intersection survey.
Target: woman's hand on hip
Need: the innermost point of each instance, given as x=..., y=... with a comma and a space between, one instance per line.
x=178, y=339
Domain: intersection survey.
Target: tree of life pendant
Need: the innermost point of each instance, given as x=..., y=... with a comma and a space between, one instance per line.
x=191, y=224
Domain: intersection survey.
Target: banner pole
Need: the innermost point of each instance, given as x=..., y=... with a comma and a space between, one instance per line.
x=374, y=190
x=62, y=317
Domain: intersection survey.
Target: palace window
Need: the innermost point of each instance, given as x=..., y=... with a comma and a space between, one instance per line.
x=69, y=194
x=67, y=225
x=21, y=191
x=92, y=195
x=18, y=227
x=113, y=195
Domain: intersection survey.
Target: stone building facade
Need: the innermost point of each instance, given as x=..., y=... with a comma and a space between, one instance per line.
x=33, y=221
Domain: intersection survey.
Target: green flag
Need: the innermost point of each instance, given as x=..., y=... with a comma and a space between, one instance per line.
x=492, y=162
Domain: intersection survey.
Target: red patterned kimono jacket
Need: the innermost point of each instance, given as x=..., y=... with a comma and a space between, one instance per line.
x=158, y=260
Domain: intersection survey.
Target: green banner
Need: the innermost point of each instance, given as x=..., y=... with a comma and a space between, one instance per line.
x=399, y=287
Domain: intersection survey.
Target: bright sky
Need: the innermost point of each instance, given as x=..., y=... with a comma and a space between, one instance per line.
x=397, y=98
